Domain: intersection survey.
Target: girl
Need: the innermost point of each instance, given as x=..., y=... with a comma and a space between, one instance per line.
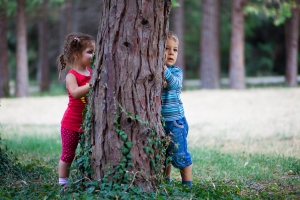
x=78, y=54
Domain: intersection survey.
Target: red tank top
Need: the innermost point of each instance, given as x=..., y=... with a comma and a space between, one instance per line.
x=72, y=118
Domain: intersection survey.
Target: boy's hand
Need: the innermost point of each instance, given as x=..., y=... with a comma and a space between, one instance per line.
x=165, y=67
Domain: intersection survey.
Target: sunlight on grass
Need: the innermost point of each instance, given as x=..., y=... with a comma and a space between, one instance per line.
x=37, y=147
x=246, y=168
x=39, y=142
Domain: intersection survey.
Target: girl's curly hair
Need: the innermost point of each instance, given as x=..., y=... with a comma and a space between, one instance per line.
x=74, y=43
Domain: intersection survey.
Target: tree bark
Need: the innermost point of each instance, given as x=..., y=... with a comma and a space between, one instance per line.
x=22, y=61
x=237, y=63
x=291, y=42
x=210, y=44
x=128, y=77
x=43, y=66
x=4, y=72
x=178, y=19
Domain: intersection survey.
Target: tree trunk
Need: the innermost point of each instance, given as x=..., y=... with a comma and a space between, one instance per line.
x=43, y=66
x=22, y=61
x=237, y=63
x=291, y=42
x=126, y=97
x=178, y=19
x=210, y=44
x=4, y=80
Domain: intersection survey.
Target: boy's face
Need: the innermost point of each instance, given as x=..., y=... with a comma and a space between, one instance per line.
x=171, y=51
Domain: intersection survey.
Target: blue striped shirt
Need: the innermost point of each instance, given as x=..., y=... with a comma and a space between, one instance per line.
x=171, y=107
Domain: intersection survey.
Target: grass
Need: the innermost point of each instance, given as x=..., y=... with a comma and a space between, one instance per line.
x=245, y=145
x=216, y=174
x=29, y=141
x=56, y=89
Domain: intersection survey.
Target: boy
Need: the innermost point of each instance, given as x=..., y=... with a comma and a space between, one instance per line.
x=176, y=125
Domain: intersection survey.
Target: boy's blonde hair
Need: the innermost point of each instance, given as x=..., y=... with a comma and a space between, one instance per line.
x=173, y=35
x=74, y=43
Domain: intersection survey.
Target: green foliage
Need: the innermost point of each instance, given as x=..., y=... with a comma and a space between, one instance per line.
x=5, y=159
x=278, y=11
x=261, y=16
x=191, y=37
x=175, y=3
x=31, y=6
x=10, y=6
x=264, y=50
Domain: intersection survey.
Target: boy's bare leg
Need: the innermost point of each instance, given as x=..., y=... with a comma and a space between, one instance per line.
x=186, y=173
x=168, y=171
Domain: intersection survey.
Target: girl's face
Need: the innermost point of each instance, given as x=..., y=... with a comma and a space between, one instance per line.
x=171, y=51
x=87, y=55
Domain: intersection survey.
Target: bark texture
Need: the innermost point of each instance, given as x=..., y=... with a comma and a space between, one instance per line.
x=210, y=44
x=291, y=42
x=22, y=61
x=4, y=80
x=236, y=60
x=130, y=57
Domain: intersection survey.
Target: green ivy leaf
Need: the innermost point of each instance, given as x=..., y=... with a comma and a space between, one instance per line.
x=105, y=180
x=153, y=163
x=90, y=189
x=123, y=160
x=130, y=164
x=120, y=132
x=147, y=149
x=124, y=137
x=150, y=141
x=129, y=156
x=137, y=118
x=152, y=133
x=124, y=150
x=128, y=144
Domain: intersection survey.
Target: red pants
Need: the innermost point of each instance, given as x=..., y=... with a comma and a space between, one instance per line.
x=70, y=141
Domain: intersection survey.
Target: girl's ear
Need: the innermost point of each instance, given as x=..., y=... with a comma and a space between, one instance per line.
x=75, y=55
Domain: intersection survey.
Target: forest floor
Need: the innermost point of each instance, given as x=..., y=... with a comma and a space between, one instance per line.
x=264, y=120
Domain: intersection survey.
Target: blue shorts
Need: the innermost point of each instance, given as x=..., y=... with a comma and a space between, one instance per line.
x=177, y=149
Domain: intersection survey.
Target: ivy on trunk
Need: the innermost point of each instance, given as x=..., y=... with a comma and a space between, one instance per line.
x=126, y=132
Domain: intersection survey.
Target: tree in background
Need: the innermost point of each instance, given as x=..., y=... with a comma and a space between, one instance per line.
x=126, y=92
x=287, y=13
x=66, y=19
x=236, y=62
x=22, y=85
x=4, y=80
x=176, y=24
x=43, y=63
x=210, y=45
x=291, y=42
